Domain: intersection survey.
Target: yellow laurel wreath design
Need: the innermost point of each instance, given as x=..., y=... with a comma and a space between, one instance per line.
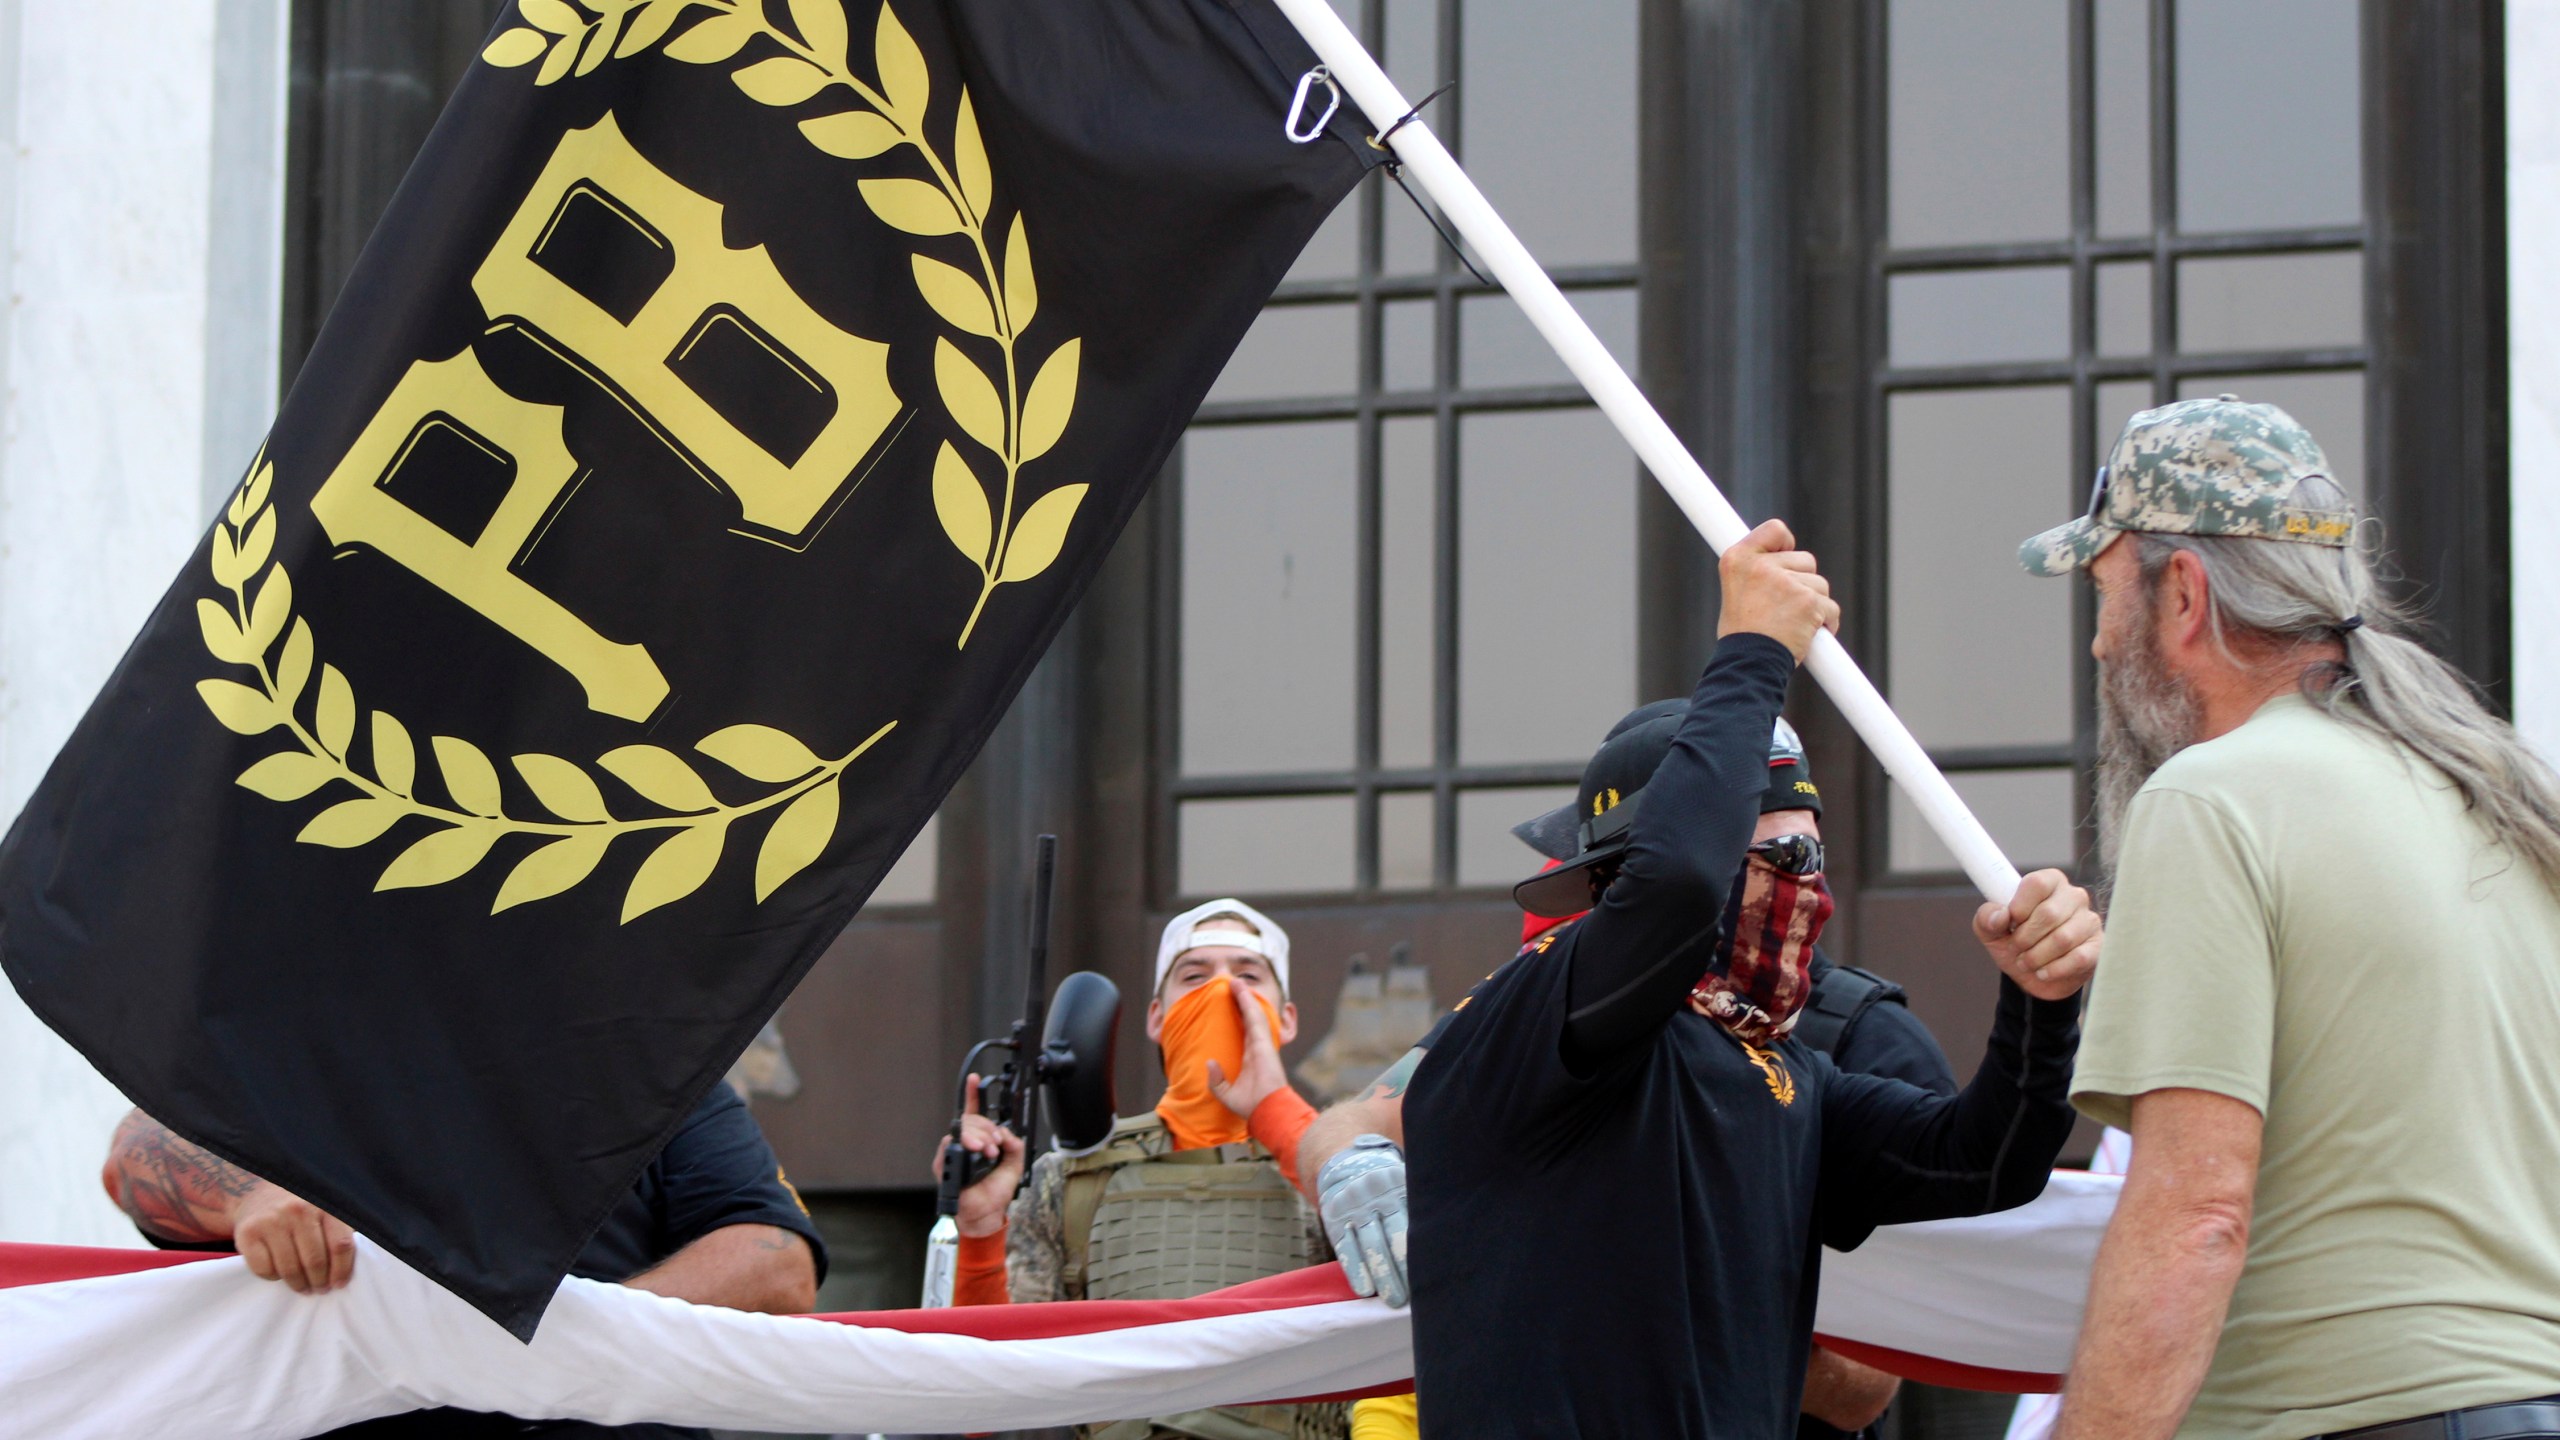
x=804, y=785
x=1014, y=424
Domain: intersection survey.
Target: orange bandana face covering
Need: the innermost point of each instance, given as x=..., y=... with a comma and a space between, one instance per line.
x=1202, y=1026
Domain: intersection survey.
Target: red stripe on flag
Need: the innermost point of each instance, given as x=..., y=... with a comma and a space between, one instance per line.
x=1947, y=1374
x=1315, y=1285
x=50, y=1264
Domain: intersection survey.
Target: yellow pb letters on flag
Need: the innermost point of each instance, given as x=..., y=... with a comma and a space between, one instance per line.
x=633, y=346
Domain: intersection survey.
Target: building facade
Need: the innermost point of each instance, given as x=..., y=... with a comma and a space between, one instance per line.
x=1896, y=269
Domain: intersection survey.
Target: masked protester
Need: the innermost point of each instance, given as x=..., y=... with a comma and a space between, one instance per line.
x=1195, y=1195
x=1626, y=1160
x=1860, y=1019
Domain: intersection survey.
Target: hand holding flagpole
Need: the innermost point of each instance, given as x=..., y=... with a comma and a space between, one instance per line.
x=1625, y=405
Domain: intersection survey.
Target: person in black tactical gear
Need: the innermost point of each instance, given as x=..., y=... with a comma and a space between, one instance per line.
x=1858, y=1018
x=1625, y=1116
x=1864, y=1023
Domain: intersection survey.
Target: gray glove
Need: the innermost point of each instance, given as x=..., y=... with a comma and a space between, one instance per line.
x=1360, y=1194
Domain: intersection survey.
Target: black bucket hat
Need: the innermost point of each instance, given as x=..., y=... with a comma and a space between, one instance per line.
x=1598, y=826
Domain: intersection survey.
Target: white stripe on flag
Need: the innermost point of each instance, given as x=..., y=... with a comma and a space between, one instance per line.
x=208, y=1349
x=2002, y=1292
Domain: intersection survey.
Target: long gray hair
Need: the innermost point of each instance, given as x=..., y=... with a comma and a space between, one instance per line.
x=2287, y=596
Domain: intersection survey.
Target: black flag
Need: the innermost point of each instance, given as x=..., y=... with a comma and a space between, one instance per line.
x=728, y=410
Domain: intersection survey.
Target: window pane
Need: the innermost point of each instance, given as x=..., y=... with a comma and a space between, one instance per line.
x=1979, y=121
x=1409, y=344
x=1498, y=346
x=1488, y=853
x=2027, y=811
x=1973, y=472
x=2124, y=308
x=1408, y=590
x=1981, y=317
x=1404, y=840
x=1412, y=54
x=1550, y=124
x=2267, y=114
x=2124, y=116
x=911, y=880
x=1293, y=350
x=2271, y=302
x=2118, y=401
x=2331, y=403
x=1546, y=585
x=1262, y=847
x=1268, y=608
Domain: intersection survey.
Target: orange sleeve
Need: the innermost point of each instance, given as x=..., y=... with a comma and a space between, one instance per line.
x=1278, y=1123
x=978, y=1275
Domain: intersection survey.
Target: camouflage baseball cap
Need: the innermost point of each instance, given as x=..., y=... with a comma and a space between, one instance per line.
x=2198, y=467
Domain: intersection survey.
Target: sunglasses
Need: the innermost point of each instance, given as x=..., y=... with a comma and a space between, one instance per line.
x=1797, y=855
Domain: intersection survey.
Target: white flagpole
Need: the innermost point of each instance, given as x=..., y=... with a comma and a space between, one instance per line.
x=1660, y=450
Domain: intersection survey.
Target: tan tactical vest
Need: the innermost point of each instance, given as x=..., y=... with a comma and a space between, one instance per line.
x=1145, y=1221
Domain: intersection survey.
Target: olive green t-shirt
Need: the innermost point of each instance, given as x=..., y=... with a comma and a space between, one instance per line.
x=2306, y=919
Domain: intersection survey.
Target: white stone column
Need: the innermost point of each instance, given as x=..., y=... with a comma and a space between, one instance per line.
x=2533, y=361
x=140, y=203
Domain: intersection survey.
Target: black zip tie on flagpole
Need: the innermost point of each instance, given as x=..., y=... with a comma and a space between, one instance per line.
x=1379, y=140
x=1395, y=172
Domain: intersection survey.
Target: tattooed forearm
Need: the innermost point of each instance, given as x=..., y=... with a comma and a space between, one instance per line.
x=1391, y=1084
x=169, y=1187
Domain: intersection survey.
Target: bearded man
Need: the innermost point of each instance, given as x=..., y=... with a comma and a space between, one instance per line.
x=2332, y=979
x=1624, y=1162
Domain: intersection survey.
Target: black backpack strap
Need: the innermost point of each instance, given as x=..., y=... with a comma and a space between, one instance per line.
x=1844, y=993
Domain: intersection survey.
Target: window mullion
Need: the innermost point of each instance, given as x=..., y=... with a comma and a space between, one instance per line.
x=1444, y=650
x=2164, y=198
x=2085, y=439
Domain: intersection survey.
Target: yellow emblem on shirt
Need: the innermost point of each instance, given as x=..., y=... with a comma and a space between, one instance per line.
x=1782, y=1081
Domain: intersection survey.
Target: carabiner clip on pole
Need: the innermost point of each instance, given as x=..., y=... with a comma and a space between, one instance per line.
x=1304, y=133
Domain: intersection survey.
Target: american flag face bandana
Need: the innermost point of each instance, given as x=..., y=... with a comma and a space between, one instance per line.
x=1771, y=920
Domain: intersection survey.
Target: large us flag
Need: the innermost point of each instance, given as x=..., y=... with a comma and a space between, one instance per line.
x=100, y=1350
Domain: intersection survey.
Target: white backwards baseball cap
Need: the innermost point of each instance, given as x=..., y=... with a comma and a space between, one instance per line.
x=1212, y=924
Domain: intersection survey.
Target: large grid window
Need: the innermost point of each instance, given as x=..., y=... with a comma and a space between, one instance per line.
x=1403, y=567
x=2089, y=207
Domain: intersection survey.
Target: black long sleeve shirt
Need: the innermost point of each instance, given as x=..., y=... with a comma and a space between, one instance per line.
x=1618, y=1209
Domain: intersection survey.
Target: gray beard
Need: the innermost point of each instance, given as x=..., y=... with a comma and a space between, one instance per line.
x=2145, y=715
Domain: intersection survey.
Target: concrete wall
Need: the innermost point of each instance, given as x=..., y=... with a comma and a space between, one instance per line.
x=2533, y=359
x=141, y=166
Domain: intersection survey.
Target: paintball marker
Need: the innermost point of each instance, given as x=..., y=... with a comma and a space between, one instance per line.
x=1069, y=1074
